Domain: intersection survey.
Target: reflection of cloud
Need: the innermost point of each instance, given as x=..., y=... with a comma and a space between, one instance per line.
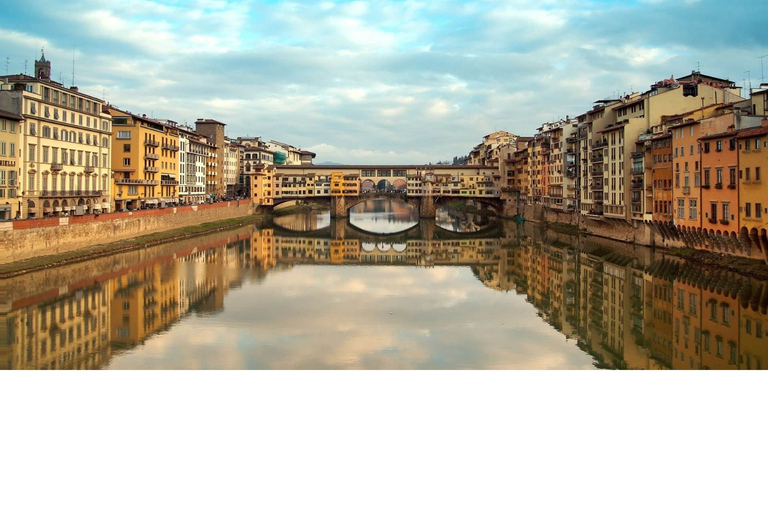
x=372, y=320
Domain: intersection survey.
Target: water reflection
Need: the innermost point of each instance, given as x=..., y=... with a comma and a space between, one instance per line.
x=270, y=298
x=383, y=216
x=461, y=222
x=306, y=221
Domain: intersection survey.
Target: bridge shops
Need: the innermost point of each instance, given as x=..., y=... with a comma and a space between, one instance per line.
x=272, y=186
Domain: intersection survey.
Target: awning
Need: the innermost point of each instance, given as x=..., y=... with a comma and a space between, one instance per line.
x=5, y=207
x=96, y=206
x=151, y=201
x=57, y=209
x=47, y=210
x=105, y=206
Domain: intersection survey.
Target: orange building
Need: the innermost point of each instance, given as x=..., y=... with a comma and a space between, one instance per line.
x=661, y=169
x=753, y=192
x=720, y=193
x=687, y=176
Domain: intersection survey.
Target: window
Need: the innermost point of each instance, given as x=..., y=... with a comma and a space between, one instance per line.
x=706, y=147
x=719, y=145
x=2, y=148
x=757, y=144
x=713, y=211
x=732, y=176
x=748, y=210
x=746, y=145
x=123, y=135
x=746, y=174
x=719, y=178
x=726, y=212
x=759, y=210
x=757, y=174
x=681, y=208
x=706, y=176
x=32, y=153
x=693, y=305
x=692, y=209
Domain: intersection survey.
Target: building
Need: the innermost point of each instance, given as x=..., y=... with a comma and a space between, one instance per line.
x=662, y=176
x=215, y=185
x=231, y=166
x=194, y=151
x=753, y=192
x=64, y=158
x=10, y=158
x=145, y=161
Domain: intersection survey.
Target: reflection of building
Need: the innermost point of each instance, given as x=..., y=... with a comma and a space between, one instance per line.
x=54, y=332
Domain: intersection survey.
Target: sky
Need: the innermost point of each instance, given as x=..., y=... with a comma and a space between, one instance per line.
x=382, y=81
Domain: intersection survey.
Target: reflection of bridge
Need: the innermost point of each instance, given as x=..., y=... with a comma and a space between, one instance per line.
x=343, y=187
x=425, y=229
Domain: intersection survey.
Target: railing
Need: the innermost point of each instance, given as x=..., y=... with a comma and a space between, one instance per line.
x=69, y=193
x=136, y=182
x=718, y=185
x=712, y=220
x=597, y=159
x=57, y=167
x=724, y=221
x=150, y=169
x=602, y=144
x=170, y=183
x=151, y=143
x=89, y=169
x=171, y=147
x=731, y=186
x=686, y=191
x=637, y=154
x=152, y=156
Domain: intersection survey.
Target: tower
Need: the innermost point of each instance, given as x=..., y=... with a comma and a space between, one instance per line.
x=43, y=68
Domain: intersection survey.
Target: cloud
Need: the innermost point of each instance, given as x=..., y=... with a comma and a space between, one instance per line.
x=381, y=81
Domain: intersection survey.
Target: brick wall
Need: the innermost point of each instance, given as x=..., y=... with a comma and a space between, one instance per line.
x=26, y=239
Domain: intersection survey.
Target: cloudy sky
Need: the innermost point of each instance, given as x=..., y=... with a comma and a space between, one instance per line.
x=380, y=81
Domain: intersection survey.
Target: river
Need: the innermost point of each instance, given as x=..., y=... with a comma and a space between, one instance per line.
x=384, y=290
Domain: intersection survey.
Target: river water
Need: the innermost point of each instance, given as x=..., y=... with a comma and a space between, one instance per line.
x=384, y=290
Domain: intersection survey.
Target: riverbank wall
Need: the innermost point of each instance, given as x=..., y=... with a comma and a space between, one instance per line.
x=662, y=235
x=24, y=239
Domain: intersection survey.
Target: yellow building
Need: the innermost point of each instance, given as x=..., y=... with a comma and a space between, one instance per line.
x=64, y=156
x=753, y=192
x=345, y=184
x=145, y=161
x=10, y=160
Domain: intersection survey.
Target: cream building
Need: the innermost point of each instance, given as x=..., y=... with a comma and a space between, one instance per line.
x=64, y=160
x=10, y=158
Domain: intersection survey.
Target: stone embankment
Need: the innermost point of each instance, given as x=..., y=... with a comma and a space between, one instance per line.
x=659, y=235
x=28, y=239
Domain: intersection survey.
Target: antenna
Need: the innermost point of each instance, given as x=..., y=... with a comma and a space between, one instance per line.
x=7, y=62
x=73, y=65
x=25, y=66
x=762, y=73
x=698, y=67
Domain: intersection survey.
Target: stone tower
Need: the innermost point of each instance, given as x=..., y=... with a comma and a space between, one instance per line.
x=43, y=68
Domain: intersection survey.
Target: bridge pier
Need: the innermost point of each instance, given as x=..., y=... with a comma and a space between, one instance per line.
x=339, y=207
x=427, y=209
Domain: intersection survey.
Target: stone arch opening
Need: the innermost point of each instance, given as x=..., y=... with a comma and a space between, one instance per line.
x=384, y=186
x=368, y=186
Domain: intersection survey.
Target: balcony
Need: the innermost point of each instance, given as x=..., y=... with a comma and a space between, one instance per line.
x=89, y=169
x=152, y=156
x=171, y=147
x=637, y=185
x=135, y=182
x=712, y=220
x=718, y=186
x=57, y=167
x=637, y=155
x=571, y=140
x=724, y=221
x=169, y=183
x=597, y=159
x=706, y=186
x=151, y=143
x=732, y=186
x=686, y=191
x=150, y=169
x=597, y=172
